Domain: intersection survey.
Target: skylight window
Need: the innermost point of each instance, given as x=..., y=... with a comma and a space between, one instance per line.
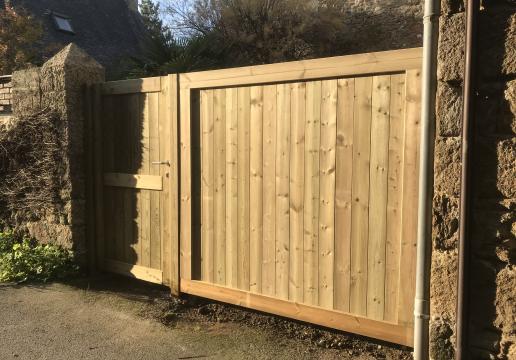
x=63, y=23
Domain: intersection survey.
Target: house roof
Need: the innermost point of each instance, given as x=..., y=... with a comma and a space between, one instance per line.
x=106, y=29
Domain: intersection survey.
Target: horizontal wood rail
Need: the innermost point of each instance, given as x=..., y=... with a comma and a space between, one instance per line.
x=145, y=85
x=136, y=271
x=338, y=66
x=134, y=181
x=386, y=331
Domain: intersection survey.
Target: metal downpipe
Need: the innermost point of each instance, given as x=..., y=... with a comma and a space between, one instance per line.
x=468, y=114
x=426, y=179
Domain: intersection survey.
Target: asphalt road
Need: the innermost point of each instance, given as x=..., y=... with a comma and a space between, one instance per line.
x=59, y=321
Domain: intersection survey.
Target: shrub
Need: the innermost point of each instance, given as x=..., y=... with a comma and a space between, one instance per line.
x=24, y=259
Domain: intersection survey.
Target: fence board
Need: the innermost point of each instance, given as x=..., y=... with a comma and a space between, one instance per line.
x=343, y=198
x=410, y=196
x=380, y=103
x=207, y=182
x=360, y=188
x=297, y=182
x=327, y=192
x=282, y=190
x=219, y=163
x=232, y=187
x=394, y=192
x=244, y=107
x=256, y=188
x=269, y=191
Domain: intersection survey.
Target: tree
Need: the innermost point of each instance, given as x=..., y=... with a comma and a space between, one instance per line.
x=165, y=54
x=266, y=31
x=150, y=12
x=18, y=33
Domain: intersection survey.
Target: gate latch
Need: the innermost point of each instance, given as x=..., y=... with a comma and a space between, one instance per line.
x=166, y=162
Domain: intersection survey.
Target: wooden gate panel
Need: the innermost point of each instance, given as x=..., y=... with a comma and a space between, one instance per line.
x=139, y=150
x=308, y=188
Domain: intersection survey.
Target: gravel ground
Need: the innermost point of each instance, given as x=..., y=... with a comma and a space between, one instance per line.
x=118, y=318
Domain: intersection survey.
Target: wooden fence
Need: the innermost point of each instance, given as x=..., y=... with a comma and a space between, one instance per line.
x=298, y=188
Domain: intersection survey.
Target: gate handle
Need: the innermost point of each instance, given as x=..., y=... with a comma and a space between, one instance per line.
x=166, y=162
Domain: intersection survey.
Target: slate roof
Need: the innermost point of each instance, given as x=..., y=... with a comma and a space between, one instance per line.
x=106, y=29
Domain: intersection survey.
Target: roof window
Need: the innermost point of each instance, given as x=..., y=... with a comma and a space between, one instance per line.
x=63, y=23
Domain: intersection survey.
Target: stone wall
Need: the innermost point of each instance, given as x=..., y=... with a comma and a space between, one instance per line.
x=378, y=25
x=59, y=85
x=492, y=290
x=5, y=95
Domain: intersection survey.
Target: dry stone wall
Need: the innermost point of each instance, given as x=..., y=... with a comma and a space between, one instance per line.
x=59, y=85
x=492, y=290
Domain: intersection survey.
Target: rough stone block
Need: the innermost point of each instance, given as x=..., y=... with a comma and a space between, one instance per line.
x=449, y=109
x=441, y=343
x=445, y=222
x=452, y=6
x=493, y=115
x=443, y=285
x=510, y=98
x=46, y=232
x=506, y=300
x=447, y=166
x=506, y=177
x=26, y=94
x=497, y=34
x=450, y=54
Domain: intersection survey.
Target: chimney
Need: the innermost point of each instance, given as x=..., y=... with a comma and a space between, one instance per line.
x=132, y=5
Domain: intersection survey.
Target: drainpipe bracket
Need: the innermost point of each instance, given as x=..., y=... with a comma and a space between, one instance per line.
x=421, y=307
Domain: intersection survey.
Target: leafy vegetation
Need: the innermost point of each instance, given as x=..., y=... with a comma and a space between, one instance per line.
x=205, y=34
x=22, y=259
x=18, y=33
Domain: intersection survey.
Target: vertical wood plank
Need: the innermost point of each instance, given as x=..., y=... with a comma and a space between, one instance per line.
x=108, y=140
x=256, y=187
x=130, y=235
x=98, y=186
x=145, y=194
x=154, y=197
x=311, y=194
x=282, y=190
x=410, y=197
x=232, y=187
x=269, y=191
x=327, y=192
x=165, y=172
x=244, y=107
x=219, y=162
x=172, y=114
x=343, y=199
x=297, y=182
x=360, y=189
x=207, y=184
x=379, y=163
x=394, y=196
x=185, y=185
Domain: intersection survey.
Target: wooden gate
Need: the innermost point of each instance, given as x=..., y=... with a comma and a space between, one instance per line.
x=137, y=167
x=298, y=187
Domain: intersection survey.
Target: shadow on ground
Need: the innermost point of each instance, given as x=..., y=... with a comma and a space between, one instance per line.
x=113, y=317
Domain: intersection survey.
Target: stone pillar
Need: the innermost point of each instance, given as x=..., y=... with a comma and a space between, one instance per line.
x=493, y=273
x=59, y=85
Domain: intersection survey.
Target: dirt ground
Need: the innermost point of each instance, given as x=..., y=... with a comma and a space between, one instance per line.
x=118, y=318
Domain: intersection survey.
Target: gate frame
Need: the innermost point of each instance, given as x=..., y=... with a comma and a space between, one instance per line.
x=334, y=67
